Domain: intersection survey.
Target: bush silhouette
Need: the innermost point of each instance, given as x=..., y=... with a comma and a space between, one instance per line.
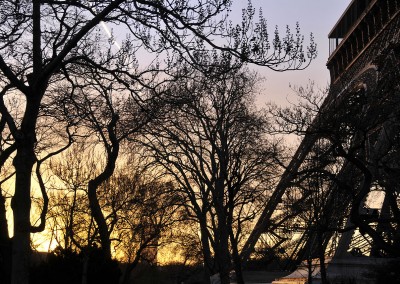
x=64, y=266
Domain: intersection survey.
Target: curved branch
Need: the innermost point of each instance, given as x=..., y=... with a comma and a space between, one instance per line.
x=41, y=226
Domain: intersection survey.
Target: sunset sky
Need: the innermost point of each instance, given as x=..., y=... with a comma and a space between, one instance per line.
x=316, y=16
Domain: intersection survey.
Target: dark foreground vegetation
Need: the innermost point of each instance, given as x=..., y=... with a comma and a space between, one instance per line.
x=62, y=266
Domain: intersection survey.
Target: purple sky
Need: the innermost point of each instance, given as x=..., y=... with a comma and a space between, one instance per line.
x=316, y=16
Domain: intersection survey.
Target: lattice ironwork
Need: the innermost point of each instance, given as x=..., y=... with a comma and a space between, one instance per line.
x=368, y=76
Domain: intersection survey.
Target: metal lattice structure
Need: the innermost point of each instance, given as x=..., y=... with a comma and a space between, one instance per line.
x=364, y=66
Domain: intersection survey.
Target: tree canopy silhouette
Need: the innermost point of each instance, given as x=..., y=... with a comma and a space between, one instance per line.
x=44, y=45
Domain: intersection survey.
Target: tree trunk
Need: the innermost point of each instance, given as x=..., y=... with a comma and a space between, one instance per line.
x=69, y=234
x=236, y=259
x=238, y=270
x=98, y=216
x=222, y=254
x=23, y=162
x=21, y=206
x=25, y=158
x=208, y=262
x=4, y=237
x=5, y=245
x=85, y=268
x=237, y=262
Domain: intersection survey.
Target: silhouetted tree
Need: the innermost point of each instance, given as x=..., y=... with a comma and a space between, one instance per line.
x=42, y=42
x=145, y=219
x=215, y=148
x=139, y=210
x=65, y=266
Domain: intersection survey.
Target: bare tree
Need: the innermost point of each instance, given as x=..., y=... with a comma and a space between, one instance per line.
x=138, y=208
x=111, y=116
x=42, y=41
x=215, y=149
x=144, y=223
x=69, y=214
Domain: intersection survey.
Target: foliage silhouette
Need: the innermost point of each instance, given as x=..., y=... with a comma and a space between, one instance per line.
x=64, y=266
